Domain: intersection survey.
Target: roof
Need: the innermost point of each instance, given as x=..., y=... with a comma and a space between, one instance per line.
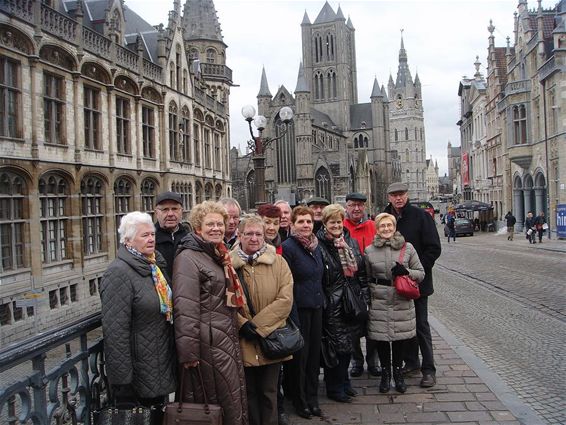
x=326, y=15
x=319, y=117
x=200, y=21
x=359, y=113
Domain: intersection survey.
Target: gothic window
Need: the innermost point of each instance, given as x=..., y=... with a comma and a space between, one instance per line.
x=406, y=133
x=122, y=202
x=92, y=215
x=365, y=142
x=196, y=142
x=123, y=143
x=172, y=74
x=174, y=151
x=148, y=192
x=317, y=48
x=185, y=81
x=416, y=135
x=178, y=72
x=217, y=163
x=396, y=135
x=54, y=216
x=185, y=136
x=10, y=94
x=148, y=131
x=198, y=193
x=207, y=148
x=519, y=125
x=407, y=155
x=329, y=52
x=188, y=204
x=217, y=192
x=92, y=118
x=211, y=55
x=12, y=220
x=208, y=192
x=53, y=107
x=323, y=183
x=331, y=77
x=318, y=86
x=286, y=163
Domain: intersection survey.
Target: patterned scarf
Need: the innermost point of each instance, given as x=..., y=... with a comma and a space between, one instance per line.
x=345, y=253
x=234, y=292
x=163, y=290
x=251, y=258
x=309, y=242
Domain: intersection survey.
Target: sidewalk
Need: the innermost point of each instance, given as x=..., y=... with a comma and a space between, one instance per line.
x=467, y=392
x=519, y=239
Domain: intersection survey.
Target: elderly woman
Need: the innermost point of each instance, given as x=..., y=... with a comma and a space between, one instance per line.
x=137, y=316
x=269, y=284
x=271, y=216
x=344, y=265
x=303, y=255
x=392, y=317
x=206, y=299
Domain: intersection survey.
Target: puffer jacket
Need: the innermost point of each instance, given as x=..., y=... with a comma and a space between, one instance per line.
x=138, y=342
x=206, y=330
x=391, y=316
x=337, y=328
x=270, y=285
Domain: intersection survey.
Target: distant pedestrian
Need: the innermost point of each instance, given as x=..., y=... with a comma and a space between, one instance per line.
x=451, y=226
x=540, y=222
x=511, y=220
x=530, y=227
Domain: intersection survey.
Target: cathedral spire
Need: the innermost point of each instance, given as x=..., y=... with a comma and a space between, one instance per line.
x=264, y=87
x=306, y=20
x=376, y=91
x=200, y=21
x=404, y=78
x=302, y=85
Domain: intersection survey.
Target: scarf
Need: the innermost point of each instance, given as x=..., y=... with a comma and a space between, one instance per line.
x=345, y=253
x=221, y=256
x=308, y=242
x=160, y=283
x=276, y=242
x=251, y=258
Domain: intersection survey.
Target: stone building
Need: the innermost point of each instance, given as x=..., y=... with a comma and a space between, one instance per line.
x=100, y=111
x=454, y=166
x=432, y=182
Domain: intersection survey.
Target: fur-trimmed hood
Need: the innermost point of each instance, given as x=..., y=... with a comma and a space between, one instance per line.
x=396, y=242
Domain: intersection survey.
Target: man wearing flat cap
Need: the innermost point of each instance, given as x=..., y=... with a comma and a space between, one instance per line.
x=317, y=205
x=418, y=228
x=168, y=230
x=363, y=231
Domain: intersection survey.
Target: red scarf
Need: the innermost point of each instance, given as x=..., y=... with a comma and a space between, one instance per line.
x=234, y=292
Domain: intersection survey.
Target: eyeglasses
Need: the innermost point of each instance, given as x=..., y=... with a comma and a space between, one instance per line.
x=168, y=210
x=356, y=205
x=252, y=234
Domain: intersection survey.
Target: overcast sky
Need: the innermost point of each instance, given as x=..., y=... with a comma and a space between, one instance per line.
x=442, y=39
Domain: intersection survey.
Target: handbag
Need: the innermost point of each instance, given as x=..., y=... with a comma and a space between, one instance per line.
x=544, y=226
x=405, y=286
x=530, y=232
x=121, y=415
x=181, y=413
x=280, y=343
x=354, y=305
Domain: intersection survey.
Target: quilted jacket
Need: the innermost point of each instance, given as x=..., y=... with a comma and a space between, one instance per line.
x=391, y=317
x=138, y=341
x=270, y=285
x=206, y=329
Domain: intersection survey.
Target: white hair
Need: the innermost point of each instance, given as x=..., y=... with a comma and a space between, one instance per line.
x=129, y=224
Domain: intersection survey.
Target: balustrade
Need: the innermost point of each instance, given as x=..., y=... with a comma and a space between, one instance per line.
x=152, y=71
x=58, y=24
x=23, y=9
x=126, y=58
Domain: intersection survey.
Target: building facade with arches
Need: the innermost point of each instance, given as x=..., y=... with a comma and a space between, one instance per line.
x=101, y=111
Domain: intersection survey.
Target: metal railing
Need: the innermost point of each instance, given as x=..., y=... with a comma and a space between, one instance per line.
x=66, y=393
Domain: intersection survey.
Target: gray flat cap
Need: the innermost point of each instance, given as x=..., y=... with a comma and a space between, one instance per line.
x=397, y=187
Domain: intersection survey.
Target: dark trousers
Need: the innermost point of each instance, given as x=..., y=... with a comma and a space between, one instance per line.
x=306, y=362
x=384, y=350
x=423, y=340
x=540, y=232
x=358, y=355
x=261, y=388
x=337, y=378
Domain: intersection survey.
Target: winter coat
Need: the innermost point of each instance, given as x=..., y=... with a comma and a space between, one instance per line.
x=166, y=243
x=307, y=269
x=511, y=220
x=529, y=223
x=363, y=232
x=270, y=285
x=138, y=342
x=391, y=316
x=539, y=221
x=336, y=327
x=418, y=228
x=206, y=329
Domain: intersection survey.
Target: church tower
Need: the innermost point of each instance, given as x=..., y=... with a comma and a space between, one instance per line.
x=407, y=127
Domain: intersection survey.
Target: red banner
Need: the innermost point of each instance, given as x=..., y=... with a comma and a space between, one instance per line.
x=465, y=169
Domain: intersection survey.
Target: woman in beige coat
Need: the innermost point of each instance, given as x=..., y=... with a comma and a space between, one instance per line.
x=270, y=287
x=392, y=317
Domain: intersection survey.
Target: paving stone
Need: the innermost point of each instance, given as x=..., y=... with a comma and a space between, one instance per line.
x=444, y=406
x=469, y=416
x=455, y=397
x=475, y=405
x=419, y=418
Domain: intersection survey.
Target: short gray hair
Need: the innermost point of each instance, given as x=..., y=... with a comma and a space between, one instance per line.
x=230, y=201
x=129, y=225
x=251, y=220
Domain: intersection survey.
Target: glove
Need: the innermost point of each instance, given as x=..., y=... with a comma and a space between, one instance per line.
x=247, y=331
x=399, y=269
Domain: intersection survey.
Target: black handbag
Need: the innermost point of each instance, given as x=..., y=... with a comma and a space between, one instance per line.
x=121, y=415
x=354, y=304
x=280, y=343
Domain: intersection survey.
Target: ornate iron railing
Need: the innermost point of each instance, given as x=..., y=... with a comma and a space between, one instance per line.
x=66, y=393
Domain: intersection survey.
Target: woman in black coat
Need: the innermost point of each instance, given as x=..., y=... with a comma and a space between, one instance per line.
x=343, y=265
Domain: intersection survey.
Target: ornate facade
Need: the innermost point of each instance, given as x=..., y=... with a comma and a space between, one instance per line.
x=100, y=111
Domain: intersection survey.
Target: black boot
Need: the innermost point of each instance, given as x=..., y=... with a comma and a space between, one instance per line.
x=385, y=382
x=400, y=385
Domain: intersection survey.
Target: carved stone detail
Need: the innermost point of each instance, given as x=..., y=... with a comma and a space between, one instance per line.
x=92, y=70
x=57, y=57
x=149, y=93
x=15, y=39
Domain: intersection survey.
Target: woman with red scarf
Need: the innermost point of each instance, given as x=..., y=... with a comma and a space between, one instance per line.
x=207, y=296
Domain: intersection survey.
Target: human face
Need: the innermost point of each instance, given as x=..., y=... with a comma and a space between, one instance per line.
x=385, y=229
x=271, y=227
x=303, y=225
x=335, y=226
x=144, y=240
x=285, y=215
x=233, y=219
x=398, y=199
x=212, y=229
x=251, y=239
x=355, y=210
x=168, y=214
x=317, y=209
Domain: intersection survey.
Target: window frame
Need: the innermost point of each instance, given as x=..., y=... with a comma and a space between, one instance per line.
x=54, y=219
x=123, y=125
x=10, y=98
x=54, y=108
x=92, y=113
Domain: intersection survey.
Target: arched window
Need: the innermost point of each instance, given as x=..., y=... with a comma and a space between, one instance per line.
x=323, y=183
x=198, y=192
x=217, y=192
x=406, y=133
x=317, y=48
x=148, y=192
x=396, y=135
x=407, y=155
x=208, y=192
x=13, y=191
x=54, y=216
x=92, y=214
x=331, y=81
x=122, y=202
x=185, y=136
x=174, y=146
x=211, y=55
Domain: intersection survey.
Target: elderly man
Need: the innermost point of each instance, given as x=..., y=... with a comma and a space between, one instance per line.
x=363, y=231
x=418, y=228
x=168, y=230
x=234, y=211
x=317, y=205
x=285, y=221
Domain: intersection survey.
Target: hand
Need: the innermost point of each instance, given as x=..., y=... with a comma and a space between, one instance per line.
x=247, y=331
x=399, y=269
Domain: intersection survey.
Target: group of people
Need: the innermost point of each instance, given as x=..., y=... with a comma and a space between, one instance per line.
x=181, y=296
x=535, y=227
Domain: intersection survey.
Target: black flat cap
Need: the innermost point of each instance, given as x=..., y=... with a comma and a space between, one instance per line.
x=356, y=196
x=168, y=196
x=317, y=201
x=397, y=187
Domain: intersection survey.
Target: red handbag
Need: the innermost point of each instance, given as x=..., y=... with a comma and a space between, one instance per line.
x=405, y=286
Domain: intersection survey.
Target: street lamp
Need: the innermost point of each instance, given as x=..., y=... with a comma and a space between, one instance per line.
x=259, y=144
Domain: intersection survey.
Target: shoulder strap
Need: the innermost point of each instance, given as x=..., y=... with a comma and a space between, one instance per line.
x=246, y=291
x=402, y=253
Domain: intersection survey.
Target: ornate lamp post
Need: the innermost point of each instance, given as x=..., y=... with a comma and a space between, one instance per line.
x=259, y=144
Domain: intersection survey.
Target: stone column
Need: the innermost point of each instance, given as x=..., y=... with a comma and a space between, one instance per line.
x=518, y=210
x=540, y=200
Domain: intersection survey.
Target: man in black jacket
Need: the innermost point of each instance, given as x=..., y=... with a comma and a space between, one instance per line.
x=168, y=230
x=418, y=228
